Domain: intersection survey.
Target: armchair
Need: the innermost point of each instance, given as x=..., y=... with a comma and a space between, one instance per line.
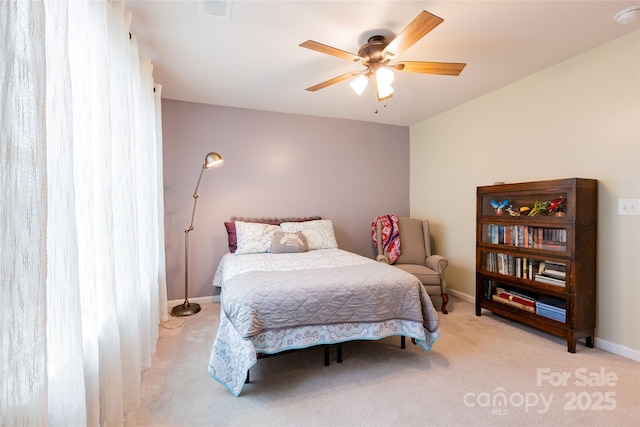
x=416, y=257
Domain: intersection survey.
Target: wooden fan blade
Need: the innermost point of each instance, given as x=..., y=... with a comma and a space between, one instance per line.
x=323, y=48
x=417, y=29
x=444, y=68
x=333, y=81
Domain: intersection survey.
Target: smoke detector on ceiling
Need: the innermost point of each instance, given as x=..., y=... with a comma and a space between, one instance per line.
x=220, y=8
x=627, y=15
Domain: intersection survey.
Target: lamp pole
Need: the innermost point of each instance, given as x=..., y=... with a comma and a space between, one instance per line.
x=211, y=160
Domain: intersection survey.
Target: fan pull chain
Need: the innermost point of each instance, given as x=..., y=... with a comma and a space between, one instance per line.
x=383, y=106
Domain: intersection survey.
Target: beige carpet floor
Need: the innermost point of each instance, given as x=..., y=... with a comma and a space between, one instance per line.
x=482, y=371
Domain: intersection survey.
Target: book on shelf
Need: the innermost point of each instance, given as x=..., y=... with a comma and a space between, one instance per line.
x=554, y=274
x=558, y=268
x=520, y=267
x=515, y=296
x=503, y=264
x=533, y=268
x=501, y=300
x=491, y=262
x=554, y=239
x=549, y=280
x=551, y=272
x=488, y=285
x=554, y=246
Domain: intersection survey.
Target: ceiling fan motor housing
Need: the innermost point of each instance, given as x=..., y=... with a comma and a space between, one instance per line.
x=372, y=50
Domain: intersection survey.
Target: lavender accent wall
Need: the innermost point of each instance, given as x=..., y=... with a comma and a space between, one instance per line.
x=276, y=165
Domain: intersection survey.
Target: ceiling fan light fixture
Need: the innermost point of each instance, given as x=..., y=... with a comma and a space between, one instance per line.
x=384, y=76
x=359, y=83
x=377, y=54
x=383, y=91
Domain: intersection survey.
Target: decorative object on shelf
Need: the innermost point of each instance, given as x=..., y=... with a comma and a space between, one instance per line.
x=513, y=211
x=499, y=206
x=557, y=207
x=537, y=208
x=211, y=160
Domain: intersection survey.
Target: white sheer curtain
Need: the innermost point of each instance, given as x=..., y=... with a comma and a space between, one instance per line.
x=81, y=227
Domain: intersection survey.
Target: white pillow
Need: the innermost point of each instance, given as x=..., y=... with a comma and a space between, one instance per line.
x=319, y=233
x=253, y=237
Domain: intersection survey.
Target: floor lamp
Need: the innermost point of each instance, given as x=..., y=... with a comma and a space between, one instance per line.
x=212, y=160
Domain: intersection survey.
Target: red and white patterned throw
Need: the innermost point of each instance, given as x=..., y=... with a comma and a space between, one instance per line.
x=390, y=236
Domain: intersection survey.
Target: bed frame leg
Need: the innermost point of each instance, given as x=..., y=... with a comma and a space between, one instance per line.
x=403, y=343
x=339, y=348
x=326, y=355
x=248, y=380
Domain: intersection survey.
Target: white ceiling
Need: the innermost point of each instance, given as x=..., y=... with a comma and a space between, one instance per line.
x=252, y=59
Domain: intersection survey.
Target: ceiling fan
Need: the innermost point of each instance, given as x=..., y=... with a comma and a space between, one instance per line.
x=376, y=55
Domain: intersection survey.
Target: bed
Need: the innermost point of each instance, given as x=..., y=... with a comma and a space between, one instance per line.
x=288, y=286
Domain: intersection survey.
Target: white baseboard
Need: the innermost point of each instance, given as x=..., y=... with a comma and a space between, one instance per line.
x=462, y=296
x=618, y=349
x=605, y=345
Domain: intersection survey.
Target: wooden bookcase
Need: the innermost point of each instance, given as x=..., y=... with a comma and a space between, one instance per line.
x=539, y=269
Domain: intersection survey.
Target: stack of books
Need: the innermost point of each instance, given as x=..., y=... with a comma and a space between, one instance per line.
x=515, y=299
x=552, y=273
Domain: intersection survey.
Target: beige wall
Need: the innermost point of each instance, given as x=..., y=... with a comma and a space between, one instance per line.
x=580, y=118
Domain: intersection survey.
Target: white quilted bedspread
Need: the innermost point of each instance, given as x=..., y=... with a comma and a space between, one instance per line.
x=231, y=264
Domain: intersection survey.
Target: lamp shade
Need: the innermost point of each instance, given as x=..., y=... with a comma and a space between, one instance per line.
x=359, y=83
x=384, y=76
x=213, y=160
x=383, y=91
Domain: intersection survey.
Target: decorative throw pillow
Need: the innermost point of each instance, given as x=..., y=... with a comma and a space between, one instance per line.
x=232, y=237
x=289, y=242
x=254, y=238
x=231, y=226
x=319, y=233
